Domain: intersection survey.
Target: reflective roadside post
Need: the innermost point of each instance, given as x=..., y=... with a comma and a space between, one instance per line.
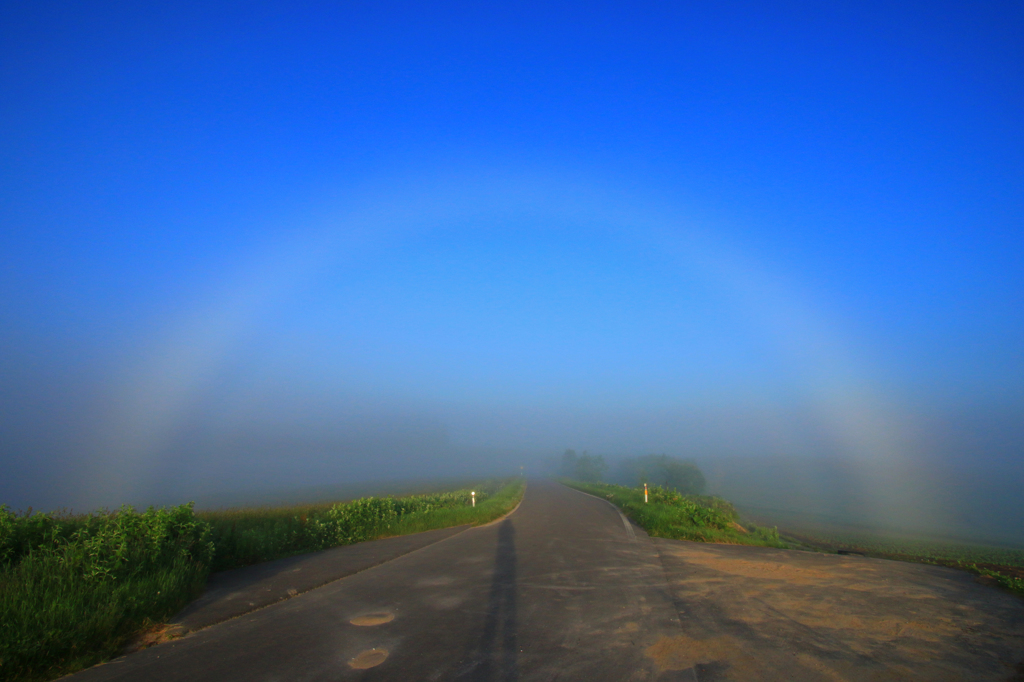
x=472, y=494
x=645, y=493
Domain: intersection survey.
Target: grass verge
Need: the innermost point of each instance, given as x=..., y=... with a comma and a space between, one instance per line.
x=75, y=589
x=669, y=514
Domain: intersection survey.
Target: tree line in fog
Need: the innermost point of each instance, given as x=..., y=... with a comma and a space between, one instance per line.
x=662, y=470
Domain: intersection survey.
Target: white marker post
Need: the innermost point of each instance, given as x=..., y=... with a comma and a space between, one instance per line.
x=473, y=495
x=645, y=493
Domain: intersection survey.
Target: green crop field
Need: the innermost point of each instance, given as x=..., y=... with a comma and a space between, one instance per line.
x=75, y=588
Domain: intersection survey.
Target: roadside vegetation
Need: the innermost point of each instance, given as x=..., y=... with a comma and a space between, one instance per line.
x=252, y=535
x=671, y=514
x=75, y=588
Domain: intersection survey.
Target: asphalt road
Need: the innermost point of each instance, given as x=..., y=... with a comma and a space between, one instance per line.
x=234, y=593
x=566, y=589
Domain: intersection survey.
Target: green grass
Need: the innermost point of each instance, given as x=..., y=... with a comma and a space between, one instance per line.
x=75, y=589
x=669, y=514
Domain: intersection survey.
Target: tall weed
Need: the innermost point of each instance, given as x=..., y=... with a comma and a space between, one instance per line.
x=73, y=589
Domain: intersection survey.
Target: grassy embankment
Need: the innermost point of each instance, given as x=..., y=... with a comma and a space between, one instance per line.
x=75, y=589
x=668, y=514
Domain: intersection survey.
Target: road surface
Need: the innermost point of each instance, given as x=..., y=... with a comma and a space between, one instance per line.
x=566, y=589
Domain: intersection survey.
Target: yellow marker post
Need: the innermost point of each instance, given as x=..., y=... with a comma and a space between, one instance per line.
x=645, y=493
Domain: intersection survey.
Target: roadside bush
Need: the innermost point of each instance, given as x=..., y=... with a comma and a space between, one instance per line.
x=74, y=588
x=684, y=510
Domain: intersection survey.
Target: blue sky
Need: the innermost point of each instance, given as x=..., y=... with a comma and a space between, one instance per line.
x=503, y=231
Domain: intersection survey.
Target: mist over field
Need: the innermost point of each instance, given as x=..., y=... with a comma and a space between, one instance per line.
x=251, y=254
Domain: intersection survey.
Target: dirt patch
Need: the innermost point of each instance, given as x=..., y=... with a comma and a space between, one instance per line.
x=819, y=616
x=371, y=619
x=758, y=569
x=151, y=636
x=724, y=657
x=819, y=598
x=877, y=629
x=683, y=653
x=369, y=659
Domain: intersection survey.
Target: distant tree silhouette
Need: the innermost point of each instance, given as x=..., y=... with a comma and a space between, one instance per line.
x=585, y=467
x=568, y=468
x=669, y=472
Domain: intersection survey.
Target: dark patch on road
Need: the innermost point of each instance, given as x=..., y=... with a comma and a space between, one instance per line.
x=496, y=655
